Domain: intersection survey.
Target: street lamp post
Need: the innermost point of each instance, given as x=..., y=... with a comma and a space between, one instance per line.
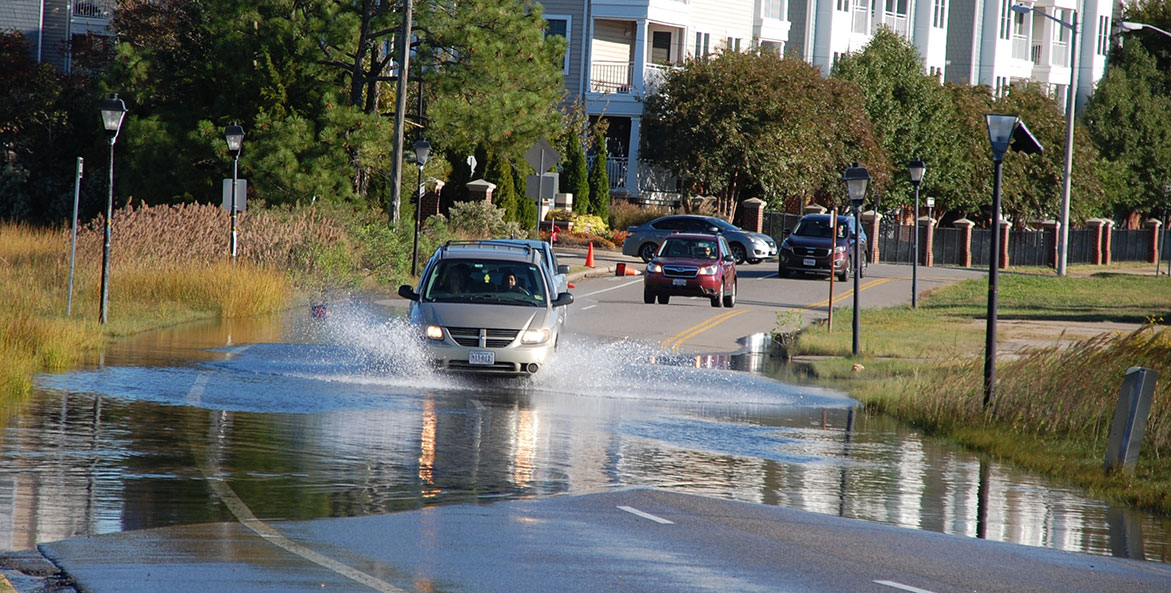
x=113, y=110
x=856, y=179
x=234, y=134
x=916, y=168
x=422, y=154
x=1070, y=108
x=1004, y=132
x=1129, y=26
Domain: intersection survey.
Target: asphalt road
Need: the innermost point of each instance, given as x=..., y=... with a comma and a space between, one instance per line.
x=611, y=306
x=635, y=540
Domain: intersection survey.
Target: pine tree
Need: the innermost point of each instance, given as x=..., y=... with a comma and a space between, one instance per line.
x=499, y=172
x=575, y=175
x=599, y=183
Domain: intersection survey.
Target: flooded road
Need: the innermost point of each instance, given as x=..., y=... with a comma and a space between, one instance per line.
x=307, y=419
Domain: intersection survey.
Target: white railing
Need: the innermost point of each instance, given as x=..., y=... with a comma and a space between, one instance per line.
x=1020, y=47
x=654, y=75
x=1059, y=54
x=615, y=170
x=94, y=9
x=861, y=19
x=611, y=77
x=894, y=21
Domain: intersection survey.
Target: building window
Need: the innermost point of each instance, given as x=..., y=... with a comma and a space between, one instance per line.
x=843, y=6
x=772, y=9
x=559, y=25
x=1006, y=19
x=702, y=44
x=1103, y=34
x=732, y=44
x=939, y=14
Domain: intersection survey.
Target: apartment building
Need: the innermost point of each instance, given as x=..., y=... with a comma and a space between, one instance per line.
x=52, y=25
x=619, y=49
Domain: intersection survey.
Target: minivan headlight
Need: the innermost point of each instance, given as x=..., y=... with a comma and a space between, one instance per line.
x=535, y=336
x=433, y=332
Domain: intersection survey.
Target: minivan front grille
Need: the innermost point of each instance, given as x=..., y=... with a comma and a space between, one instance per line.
x=493, y=338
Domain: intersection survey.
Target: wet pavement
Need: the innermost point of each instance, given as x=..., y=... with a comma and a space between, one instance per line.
x=294, y=419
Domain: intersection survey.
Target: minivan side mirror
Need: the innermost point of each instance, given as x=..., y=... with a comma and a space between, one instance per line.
x=563, y=300
x=408, y=293
x=562, y=269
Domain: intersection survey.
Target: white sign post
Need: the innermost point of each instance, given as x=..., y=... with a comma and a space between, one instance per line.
x=542, y=187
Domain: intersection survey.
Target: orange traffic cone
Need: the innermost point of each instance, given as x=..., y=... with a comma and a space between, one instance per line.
x=590, y=256
x=620, y=269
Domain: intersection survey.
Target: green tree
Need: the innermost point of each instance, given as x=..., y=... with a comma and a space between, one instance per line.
x=505, y=197
x=1129, y=116
x=759, y=123
x=909, y=111
x=575, y=174
x=599, y=182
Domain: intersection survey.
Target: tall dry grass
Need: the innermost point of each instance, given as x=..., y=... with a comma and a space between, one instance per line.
x=169, y=264
x=1068, y=392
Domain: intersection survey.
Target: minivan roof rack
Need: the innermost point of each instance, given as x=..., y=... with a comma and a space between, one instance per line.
x=525, y=249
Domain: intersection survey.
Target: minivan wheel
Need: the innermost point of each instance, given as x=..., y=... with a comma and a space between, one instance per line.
x=845, y=273
x=647, y=251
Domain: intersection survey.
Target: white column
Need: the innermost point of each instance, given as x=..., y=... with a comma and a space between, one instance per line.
x=639, y=57
x=632, y=160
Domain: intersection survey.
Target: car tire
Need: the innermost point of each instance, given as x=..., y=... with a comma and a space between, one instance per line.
x=783, y=272
x=664, y=299
x=845, y=273
x=648, y=297
x=730, y=298
x=862, y=270
x=647, y=251
x=739, y=253
x=717, y=300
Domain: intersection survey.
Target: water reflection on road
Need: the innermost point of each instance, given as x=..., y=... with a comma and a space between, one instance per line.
x=308, y=419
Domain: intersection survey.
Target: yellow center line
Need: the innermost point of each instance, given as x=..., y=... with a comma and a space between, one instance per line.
x=674, y=341
x=846, y=294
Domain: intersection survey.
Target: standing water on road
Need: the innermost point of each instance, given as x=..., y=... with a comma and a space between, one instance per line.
x=305, y=418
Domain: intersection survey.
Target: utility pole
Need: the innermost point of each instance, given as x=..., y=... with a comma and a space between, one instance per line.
x=400, y=114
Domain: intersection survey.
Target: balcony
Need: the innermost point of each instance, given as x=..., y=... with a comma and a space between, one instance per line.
x=1020, y=47
x=94, y=9
x=618, y=77
x=894, y=21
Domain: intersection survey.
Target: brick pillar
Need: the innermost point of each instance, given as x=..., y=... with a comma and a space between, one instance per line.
x=870, y=222
x=1096, y=225
x=753, y=216
x=480, y=190
x=1005, y=227
x=1154, y=225
x=1052, y=229
x=430, y=205
x=1108, y=242
x=927, y=241
x=965, y=225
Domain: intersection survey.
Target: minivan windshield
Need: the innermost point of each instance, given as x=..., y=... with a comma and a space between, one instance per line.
x=486, y=281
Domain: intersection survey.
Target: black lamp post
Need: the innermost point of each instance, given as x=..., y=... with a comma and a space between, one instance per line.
x=916, y=168
x=113, y=110
x=1004, y=131
x=856, y=179
x=422, y=154
x=234, y=134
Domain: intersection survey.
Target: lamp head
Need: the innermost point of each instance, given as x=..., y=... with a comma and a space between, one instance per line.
x=113, y=110
x=422, y=152
x=234, y=134
x=1021, y=9
x=856, y=178
x=917, y=168
x=1000, y=130
x=1129, y=26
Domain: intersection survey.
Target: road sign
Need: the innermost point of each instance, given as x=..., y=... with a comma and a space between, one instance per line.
x=542, y=156
x=241, y=192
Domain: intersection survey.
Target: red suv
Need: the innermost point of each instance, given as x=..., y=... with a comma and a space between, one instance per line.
x=692, y=265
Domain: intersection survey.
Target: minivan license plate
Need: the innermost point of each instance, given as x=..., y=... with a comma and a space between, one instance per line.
x=485, y=358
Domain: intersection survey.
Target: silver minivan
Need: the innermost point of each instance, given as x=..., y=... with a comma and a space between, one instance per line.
x=486, y=308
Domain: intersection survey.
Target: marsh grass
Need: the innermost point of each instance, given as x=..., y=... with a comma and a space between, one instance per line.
x=169, y=265
x=1053, y=405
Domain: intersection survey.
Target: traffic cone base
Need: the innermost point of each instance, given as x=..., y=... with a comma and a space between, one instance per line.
x=590, y=256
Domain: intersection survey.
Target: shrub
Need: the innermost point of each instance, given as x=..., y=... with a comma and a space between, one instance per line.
x=624, y=215
x=481, y=220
